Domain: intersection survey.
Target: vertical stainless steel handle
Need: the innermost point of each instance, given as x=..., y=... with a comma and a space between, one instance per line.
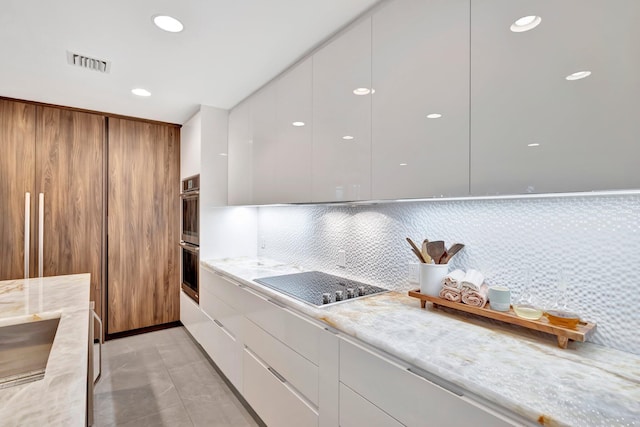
x=96, y=317
x=27, y=232
x=40, y=234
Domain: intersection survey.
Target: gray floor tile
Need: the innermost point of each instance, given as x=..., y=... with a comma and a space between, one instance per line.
x=134, y=385
x=219, y=414
x=175, y=416
x=198, y=381
x=176, y=354
x=163, y=379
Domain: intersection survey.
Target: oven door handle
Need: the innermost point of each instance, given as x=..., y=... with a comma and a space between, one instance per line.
x=190, y=248
x=189, y=194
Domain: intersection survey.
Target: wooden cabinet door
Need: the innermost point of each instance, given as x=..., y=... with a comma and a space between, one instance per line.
x=17, y=174
x=70, y=175
x=143, y=225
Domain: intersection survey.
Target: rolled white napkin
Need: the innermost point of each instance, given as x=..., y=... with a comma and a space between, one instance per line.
x=450, y=293
x=472, y=280
x=475, y=298
x=454, y=279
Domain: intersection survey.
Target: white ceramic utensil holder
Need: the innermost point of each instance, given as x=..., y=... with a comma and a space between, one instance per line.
x=431, y=277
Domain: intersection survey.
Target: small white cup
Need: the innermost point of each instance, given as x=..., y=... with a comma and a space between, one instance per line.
x=499, y=298
x=431, y=278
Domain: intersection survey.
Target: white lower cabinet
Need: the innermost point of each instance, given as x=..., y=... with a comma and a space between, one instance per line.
x=356, y=411
x=295, y=372
x=300, y=373
x=196, y=322
x=272, y=398
x=406, y=396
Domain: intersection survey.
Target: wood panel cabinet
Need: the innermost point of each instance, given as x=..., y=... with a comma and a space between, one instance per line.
x=58, y=154
x=143, y=225
x=70, y=175
x=17, y=177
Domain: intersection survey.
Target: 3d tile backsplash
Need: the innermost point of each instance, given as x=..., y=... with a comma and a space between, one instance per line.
x=593, y=241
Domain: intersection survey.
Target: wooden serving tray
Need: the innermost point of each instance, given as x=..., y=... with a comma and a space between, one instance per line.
x=580, y=333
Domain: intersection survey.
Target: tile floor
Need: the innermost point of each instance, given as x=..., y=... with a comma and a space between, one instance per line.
x=163, y=379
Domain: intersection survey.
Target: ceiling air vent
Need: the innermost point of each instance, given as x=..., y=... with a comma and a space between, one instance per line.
x=87, y=62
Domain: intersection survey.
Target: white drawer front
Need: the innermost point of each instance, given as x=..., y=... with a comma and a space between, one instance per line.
x=272, y=400
x=228, y=291
x=225, y=351
x=296, y=332
x=298, y=371
x=409, y=398
x=356, y=411
x=217, y=309
x=192, y=318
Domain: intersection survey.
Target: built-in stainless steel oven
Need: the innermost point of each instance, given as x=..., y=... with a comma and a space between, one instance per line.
x=190, y=240
x=190, y=270
x=190, y=197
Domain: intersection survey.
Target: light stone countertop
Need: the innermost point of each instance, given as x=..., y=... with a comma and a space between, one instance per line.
x=522, y=371
x=59, y=399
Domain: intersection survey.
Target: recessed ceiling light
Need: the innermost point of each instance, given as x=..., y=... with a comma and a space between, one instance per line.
x=526, y=23
x=403, y=164
x=168, y=23
x=348, y=137
x=533, y=144
x=434, y=116
x=223, y=154
x=578, y=75
x=362, y=91
x=140, y=92
x=298, y=124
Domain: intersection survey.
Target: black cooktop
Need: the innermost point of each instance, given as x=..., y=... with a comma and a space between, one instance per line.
x=318, y=288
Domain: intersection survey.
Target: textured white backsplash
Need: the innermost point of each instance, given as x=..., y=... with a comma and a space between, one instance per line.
x=594, y=241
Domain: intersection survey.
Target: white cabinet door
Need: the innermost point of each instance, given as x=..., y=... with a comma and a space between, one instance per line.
x=264, y=136
x=292, y=161
x=341, y=118
x=356, y=411
x=240, y=156
x=408, y=397
x=192, y=318
x=420, y=69
x=293, y=330
x=299, y=372
x=534, y=131
x=270, y=396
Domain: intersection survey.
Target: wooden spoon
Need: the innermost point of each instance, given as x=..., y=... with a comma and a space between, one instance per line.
x=416, y=250
x=425, y=254
x=454, y=249
x=436, y=250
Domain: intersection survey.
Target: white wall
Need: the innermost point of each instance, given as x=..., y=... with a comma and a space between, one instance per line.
x=593, y=240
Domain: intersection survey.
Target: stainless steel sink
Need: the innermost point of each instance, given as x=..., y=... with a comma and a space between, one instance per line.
x=24, y=350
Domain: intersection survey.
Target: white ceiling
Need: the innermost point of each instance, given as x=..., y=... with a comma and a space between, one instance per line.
x=228, y=49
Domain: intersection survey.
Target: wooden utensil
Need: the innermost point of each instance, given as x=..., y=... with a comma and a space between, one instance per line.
x=416, y=251
x=425, y=254
x=454, y=249
x=436, y=250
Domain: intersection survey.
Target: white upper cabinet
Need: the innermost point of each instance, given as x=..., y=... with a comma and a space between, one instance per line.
x=292, y=162
x=420, y=73
x=534, y=131
x=240, y=156
x=342, y=118
x=270, y=142
x=264, y=137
